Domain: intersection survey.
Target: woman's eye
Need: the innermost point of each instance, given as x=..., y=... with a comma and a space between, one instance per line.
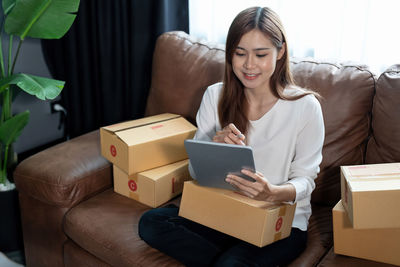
x=239, y=54
x=262, y=55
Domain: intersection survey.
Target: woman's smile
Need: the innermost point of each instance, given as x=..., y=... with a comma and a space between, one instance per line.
x=250, y=76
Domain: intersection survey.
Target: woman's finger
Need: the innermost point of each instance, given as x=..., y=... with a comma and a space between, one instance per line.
x=256, y=176
x=236, y=131
x=235, y=139
x=240, y=180
x=242, y=186
x=228, y=140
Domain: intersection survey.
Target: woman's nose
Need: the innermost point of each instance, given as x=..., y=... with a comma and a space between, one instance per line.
x=249, y=63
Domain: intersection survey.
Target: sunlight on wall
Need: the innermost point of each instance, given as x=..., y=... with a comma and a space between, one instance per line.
x=363, y=31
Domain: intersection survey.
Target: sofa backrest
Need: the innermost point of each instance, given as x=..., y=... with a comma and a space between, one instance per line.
x=183, y=67
x=384, y=145
x=347, y=92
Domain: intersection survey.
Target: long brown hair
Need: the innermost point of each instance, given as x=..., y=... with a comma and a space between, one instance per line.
x=233, y=104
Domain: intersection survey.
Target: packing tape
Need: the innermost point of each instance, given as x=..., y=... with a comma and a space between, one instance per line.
x=364, y=178
x=277, y=236
x=282, y=210
x=383, y=175
x=134, y=196
x=177, y=183
x=140, y=125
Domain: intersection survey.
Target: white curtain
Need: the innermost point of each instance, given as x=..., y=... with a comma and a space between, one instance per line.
x=362, y=31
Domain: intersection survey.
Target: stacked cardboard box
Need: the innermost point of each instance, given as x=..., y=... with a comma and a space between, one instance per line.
x=149, y=157
x=366, y=222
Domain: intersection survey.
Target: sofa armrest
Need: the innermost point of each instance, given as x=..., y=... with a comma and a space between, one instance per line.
x=65, y=174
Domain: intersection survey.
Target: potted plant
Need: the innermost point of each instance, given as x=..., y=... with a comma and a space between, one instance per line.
x=43, y=19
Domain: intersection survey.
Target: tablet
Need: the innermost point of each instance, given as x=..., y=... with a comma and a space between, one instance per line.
x=212, y=162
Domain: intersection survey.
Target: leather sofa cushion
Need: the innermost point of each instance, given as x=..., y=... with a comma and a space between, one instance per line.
x=106, y=226
x=57, y=176
x=347, y=92
x=76, y=256
x=384, y=146
x=183, y=67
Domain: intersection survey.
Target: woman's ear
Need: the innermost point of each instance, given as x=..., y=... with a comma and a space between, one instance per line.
x=281, y=52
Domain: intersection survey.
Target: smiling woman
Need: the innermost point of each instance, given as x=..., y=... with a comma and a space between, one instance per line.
x=343, y=30
x=257, y=105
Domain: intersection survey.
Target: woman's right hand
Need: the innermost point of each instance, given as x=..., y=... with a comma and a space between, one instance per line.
x=229, y=135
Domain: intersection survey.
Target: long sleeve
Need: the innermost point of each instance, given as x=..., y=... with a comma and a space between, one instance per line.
x=207, y=117
x=308, y=151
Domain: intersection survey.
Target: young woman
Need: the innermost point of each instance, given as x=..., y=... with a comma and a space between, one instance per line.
x=258, y=105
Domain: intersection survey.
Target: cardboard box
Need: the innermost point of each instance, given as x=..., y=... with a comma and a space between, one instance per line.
x=153, y=187
x=371, y=195
x=373, y=244
x=257, y=222
x=147, y=143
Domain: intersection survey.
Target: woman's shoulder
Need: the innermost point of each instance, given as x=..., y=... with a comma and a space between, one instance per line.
x=309, y=99
x=214, y=90
x=216, y=87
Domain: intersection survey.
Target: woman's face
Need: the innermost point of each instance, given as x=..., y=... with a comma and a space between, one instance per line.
x=254, y=60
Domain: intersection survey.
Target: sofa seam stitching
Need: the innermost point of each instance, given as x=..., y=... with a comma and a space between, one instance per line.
x=196, y=42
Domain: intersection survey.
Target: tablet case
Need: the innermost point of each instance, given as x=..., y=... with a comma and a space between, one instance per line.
x=212, y=162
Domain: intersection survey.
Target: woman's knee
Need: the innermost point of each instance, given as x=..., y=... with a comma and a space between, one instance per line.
x=153, y=222
x=148, y=224
x=231, y=260
x=145, y=225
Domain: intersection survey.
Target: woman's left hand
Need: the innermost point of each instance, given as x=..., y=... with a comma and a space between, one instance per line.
x=261, y=189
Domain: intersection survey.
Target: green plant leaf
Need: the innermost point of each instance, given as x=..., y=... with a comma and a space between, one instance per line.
x=12, y=128
x=42, y=88
x=45, y=19
x=8, y=5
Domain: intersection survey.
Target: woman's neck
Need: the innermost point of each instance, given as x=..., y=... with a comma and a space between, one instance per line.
x=260, y=102
x=259, y=97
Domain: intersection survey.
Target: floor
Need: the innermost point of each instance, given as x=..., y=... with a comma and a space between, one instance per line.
x=12, y=259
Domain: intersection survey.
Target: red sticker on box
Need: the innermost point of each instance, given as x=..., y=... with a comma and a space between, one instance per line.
x=113, y=150
x=157, y=126
x=132, y=185
x=278, y=224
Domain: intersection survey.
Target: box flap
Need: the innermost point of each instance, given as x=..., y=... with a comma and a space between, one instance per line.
x=390, y=170
x=338, y=207
x=140, y=122
x=242, y=198
x=374, y=176
x=155, y=130
x=157, y=173
x=375, y=185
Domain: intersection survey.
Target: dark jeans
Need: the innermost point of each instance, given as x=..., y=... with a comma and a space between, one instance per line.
x=196, y=245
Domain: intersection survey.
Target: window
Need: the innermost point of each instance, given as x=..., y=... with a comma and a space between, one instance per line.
x=363, y=31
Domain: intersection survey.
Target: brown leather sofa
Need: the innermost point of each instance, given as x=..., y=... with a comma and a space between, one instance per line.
x=72, y=217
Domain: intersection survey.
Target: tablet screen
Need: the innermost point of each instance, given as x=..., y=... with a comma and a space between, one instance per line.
x=212, y=162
